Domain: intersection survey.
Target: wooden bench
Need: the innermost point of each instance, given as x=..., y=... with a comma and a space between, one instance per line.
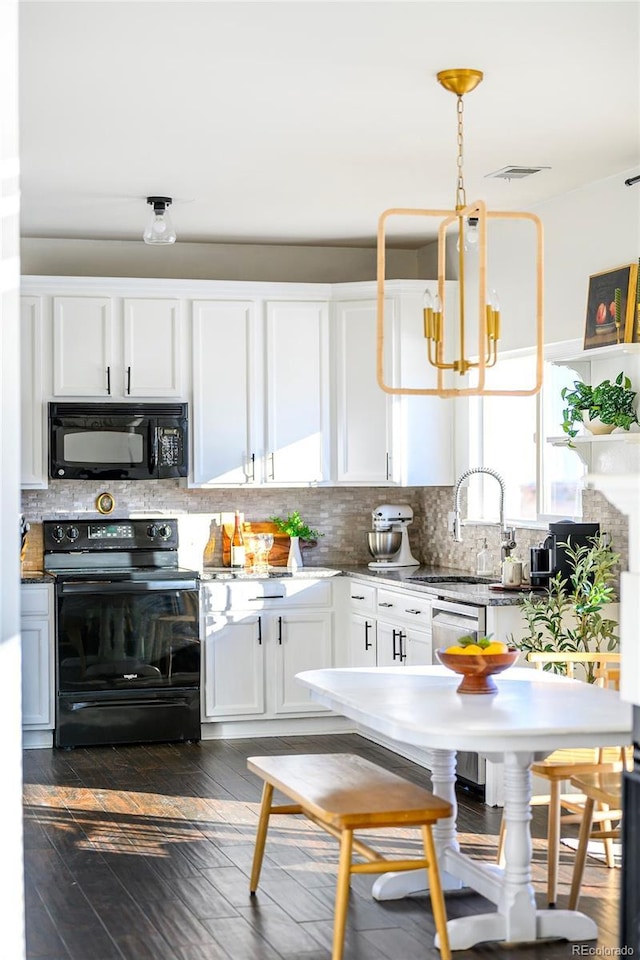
x=342, y=792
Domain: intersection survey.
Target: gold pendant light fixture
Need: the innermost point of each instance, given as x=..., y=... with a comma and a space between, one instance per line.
x=447, y=346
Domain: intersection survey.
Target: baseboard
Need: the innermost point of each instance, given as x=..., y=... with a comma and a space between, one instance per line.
x=37, y=739
x=298, y=727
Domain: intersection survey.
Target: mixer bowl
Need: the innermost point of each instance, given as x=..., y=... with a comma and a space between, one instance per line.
x=384, y=545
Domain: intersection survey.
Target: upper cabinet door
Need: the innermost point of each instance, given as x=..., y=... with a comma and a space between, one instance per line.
x=296, y=401
x=224, y=448
x=152, y=342
x=33, y=472
x=364, y=427
x=82, y=346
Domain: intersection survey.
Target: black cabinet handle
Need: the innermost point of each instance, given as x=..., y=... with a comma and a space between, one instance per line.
x=367, y=642
x=129, y=380
x=280, y=630
x=109, y=380
x=253, y=466
x=260, y=630
x=413, y=611
x=355, y=597
x=399, y=653
x=385, y=604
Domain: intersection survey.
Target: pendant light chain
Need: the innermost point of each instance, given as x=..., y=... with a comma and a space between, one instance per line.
x=461, y=196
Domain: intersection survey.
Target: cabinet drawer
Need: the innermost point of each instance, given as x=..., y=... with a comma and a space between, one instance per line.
x=363, y=597
x=34, y=600
x=266, y=594
x=406, y=606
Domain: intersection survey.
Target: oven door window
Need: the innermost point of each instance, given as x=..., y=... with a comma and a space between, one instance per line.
x=128, y=640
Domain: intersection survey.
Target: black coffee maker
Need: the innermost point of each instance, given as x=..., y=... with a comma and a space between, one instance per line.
x=551, y=558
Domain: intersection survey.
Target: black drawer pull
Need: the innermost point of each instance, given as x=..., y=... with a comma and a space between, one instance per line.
x=385, y=604
x=414, y=611
x=354, y=597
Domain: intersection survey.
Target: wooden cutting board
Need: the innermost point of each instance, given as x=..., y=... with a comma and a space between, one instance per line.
x=279, y=552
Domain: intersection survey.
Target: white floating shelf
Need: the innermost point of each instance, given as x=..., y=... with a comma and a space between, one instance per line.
x=600, y=353
x=624, y=437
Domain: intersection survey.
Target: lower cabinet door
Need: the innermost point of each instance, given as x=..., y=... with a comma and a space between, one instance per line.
x=362, y=641
x=37, y=700
x=299, y=641
x=234, y=666
x=419, y=648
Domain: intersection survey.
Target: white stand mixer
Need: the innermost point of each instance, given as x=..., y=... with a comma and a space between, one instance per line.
x=389, y=541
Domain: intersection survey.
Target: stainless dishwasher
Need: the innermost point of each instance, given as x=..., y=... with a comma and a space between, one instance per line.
x=449, y=622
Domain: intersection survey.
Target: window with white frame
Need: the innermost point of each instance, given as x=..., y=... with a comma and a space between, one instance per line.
x=508, y=434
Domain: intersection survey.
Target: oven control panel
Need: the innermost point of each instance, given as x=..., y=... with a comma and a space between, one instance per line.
x=62, y=536
x=110, y=531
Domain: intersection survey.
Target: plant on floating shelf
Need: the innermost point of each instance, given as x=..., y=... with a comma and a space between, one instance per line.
x=567, y=617
x=612, y=403
x=295, y=526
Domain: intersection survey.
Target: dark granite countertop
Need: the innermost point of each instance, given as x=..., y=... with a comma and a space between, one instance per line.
x=439, y=582
x=35, y=576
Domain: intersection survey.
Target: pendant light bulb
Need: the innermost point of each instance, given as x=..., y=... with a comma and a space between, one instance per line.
x=159, y=227
x=471, y=236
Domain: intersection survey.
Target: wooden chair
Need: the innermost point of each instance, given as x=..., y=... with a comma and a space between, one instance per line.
x=342, y=793
x=601, y=789
x=562, y=765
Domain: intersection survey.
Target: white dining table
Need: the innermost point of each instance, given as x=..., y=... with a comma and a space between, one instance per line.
x=532, y=714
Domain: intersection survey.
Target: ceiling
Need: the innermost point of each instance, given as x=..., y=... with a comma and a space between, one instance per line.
x=300, y=122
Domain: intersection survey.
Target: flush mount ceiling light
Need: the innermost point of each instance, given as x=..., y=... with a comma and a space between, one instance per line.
x=446, y=347
x=159, y=227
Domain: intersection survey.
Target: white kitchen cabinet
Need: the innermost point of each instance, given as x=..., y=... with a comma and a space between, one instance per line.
x=37, y=659
x=226, y=386
x=33, y=467
x=260, y=386
x=257, y=637
x=381, y=438
x=234, y=666
x=388, y=628
x=106, y=346
x=364, y=413
x=362, y=641
x=297, y=392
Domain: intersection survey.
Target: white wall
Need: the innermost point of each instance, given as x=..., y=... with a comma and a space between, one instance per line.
x=210, y=261
x=11, y=875
x=586, y=231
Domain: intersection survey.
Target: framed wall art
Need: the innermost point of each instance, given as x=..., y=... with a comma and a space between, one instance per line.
x=611, y=307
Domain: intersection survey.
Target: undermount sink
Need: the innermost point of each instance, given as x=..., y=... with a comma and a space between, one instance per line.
x=451, y=578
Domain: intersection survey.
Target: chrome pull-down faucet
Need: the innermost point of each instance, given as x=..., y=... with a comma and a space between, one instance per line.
x=508, y=534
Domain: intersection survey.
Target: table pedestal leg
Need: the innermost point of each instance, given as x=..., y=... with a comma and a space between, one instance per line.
x=517, y=920
x=393, y=886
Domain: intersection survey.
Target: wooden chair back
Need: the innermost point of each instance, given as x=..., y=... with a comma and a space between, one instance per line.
x=603, y=666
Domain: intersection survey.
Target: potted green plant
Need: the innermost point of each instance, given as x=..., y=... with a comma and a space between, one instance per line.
x=568, y=617
x=298, y=530
x=608, y=404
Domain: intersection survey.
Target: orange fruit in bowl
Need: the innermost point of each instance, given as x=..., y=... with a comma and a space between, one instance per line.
x=496, y=646
x=455, y=650
x=473, y=648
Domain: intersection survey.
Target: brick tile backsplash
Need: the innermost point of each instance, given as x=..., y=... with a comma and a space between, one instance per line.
x=342, y=514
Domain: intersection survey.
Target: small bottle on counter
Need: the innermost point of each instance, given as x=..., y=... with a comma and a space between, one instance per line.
x=237, y=544
x=484, y=567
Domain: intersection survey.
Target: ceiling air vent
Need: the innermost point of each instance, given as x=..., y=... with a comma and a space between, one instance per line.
x=514, y=172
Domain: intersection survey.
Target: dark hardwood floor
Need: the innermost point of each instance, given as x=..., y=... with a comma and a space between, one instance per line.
x=141, y=852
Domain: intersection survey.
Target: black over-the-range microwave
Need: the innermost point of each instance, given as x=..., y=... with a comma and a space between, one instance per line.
x=118, y=441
